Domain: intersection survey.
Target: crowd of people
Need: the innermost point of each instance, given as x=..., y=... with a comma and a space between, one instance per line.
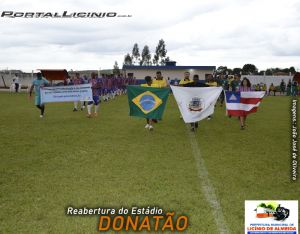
x=107, y=87
x=289, y=89
x=104, y=88
x=228, y=84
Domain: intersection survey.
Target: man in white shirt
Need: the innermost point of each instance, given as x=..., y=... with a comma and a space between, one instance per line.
x=17, y=84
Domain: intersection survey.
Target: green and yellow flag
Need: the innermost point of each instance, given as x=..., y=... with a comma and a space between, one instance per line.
x=147, y=102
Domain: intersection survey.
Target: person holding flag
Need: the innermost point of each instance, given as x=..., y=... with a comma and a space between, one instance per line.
x=245, y=87
x=37, y=84
x=243, y=102
x=150, y=83
x=96, y=88
x=195, y=101
x=185, y=80
x=147, y=101
x=159, y=81
x=195, y=83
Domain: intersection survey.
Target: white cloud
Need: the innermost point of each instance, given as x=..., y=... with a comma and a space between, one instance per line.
x=215, y=32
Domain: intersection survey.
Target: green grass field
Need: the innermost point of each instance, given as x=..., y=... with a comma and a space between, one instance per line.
x=112, y=161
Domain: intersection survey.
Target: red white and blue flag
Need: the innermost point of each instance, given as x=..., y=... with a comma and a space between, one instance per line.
x=243, y=103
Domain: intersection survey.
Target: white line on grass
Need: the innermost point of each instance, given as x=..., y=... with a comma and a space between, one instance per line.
x=206, y=185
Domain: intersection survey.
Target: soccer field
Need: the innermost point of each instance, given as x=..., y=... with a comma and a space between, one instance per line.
x=112, y=161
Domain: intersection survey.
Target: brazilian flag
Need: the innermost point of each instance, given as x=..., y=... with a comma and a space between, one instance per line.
x=147, y=102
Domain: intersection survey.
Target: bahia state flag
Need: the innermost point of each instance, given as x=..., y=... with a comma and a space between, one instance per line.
x=147, y=102
x=196, y=103
x=243, y=103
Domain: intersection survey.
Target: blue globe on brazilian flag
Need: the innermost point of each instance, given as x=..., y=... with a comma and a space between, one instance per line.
x=147, y=102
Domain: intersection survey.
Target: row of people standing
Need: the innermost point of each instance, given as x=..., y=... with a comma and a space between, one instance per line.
x=227, y=84
x=291, y=88
x=104, y=88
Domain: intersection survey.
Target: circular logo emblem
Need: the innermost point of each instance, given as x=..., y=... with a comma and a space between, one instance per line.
x=147, y=102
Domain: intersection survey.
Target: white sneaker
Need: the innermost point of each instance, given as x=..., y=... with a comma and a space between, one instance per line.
x=41, y=116
x=147, y=126
x=150, y=127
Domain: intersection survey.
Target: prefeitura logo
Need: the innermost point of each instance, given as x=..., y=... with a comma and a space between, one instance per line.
x=280, y=217
x=272, y=210
x=64, y=14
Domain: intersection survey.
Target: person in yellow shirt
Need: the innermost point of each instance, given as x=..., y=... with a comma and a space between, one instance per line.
x=160, y=82
x=272, y=89
x=264, y=88
x=186, y=79
x=212, y=83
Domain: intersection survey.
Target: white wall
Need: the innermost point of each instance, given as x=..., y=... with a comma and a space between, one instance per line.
x=276, y=80
x=179, y=74
x=25, y=79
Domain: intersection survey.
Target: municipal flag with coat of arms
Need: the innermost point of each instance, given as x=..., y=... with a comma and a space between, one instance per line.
x=147, y=102
x=196, y=103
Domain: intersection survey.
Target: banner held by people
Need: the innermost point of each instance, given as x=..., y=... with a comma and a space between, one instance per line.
x=69, y=93
x=243, y=103
x=147, y=102
x=196, y=103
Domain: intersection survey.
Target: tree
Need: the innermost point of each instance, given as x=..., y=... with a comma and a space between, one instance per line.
x=164, y=61
x=292, y=70
x=269, y=72
x=222, y=70
x=155, y=59
x=127, y=60
x=229, y=71
x=160, y=53
x=146, y=56
x=237, y=71
x=135, y=54
x=249, y=69
x=116, y=70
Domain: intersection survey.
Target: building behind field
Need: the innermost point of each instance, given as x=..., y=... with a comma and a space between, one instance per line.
x=170, y=70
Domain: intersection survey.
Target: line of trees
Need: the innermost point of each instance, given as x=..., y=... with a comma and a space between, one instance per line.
x=251, y=69
x=145, y=58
